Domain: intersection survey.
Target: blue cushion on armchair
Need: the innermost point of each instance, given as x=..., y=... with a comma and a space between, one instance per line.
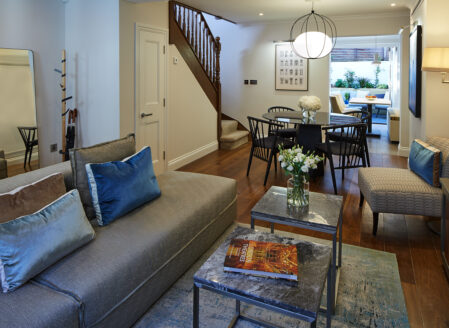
x=119, y=187
x=425, y=161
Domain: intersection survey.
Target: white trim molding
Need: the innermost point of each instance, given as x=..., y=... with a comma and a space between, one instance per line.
x=403, y=151
x=189, y=157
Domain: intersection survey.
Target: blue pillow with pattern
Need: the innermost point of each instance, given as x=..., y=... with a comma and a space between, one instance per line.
x=425, y=161
x=119, y=187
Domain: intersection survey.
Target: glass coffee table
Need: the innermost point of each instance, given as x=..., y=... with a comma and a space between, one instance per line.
x=324, y=214
x=299, y=299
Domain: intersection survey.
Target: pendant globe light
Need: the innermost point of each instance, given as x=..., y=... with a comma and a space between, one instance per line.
x=313, y=35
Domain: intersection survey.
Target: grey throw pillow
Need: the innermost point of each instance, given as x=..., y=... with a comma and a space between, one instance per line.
x=115, y=150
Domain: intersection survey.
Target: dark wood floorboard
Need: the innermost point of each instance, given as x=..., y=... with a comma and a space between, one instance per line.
x=426, y=289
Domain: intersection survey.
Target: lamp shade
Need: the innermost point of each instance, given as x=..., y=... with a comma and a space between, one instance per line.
x=436, y=60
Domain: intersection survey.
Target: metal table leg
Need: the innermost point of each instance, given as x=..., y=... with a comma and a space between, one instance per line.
x=329, y=300
x=252, y=223
x=340, y=240
x=272, y=227
x=333, y=270
x=196, y=301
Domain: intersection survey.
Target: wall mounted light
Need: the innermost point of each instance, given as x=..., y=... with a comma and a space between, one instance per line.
x=436, y=60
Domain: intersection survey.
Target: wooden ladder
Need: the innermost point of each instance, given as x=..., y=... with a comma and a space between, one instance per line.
x=192, y=36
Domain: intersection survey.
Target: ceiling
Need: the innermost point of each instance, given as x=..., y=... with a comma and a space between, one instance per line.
x=242, y=11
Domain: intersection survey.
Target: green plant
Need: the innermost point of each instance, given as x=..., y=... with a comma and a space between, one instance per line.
x=341, y=84
x=365, y=82
x=376, y=81
x=382, y=86
x=347, y=96
x=350, y=78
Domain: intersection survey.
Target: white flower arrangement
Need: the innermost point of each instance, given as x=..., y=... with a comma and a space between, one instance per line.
x=309, y=103
x=296, y=163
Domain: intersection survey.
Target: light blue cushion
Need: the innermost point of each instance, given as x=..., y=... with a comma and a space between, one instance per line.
x=32, y=243
x=119, y=187
x=425, y=161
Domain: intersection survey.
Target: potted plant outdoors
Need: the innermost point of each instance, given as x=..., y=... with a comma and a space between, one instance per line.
x=347, y=97
x=297, y=164
x=309, y=105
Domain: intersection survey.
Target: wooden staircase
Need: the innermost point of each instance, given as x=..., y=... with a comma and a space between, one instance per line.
x=190, y=33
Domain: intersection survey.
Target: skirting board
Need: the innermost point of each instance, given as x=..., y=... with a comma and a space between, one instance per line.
x=192, y=156
x=403, y=151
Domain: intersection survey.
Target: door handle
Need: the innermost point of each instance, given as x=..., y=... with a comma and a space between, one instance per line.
x=145, y=115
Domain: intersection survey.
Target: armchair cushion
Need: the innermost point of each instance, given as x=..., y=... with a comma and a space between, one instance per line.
x=425, y=161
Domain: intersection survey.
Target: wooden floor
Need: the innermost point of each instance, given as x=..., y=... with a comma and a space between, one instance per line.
x=16, y=169
x=425, y=287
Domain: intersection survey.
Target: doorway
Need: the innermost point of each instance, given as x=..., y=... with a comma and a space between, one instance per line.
x=151, y=90
x=369, y=66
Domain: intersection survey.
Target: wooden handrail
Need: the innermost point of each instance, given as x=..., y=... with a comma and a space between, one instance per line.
x=203, y=11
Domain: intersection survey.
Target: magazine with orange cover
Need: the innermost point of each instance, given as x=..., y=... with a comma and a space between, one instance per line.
x=262, y=259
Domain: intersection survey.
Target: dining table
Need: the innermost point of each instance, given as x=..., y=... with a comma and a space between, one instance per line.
x=370, y=102
x=309, y=134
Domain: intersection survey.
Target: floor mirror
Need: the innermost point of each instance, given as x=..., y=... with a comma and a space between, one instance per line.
x=19, y=149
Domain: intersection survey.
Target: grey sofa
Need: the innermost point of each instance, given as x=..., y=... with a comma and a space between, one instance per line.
x=112, y=281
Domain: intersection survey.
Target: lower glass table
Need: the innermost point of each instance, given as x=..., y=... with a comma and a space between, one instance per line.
x=299, y=299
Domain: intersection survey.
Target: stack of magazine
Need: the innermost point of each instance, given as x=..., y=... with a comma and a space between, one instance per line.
x=262, y=258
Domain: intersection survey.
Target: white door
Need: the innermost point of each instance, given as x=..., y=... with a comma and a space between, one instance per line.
x=150, y=93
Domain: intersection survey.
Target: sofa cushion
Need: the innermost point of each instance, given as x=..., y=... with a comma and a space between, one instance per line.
x=31, y=243
x=115, y=150
x=129, y=251
x=8, y=184
x=119, y=187
x=33, y=306
x=31, y=198
x=392, y=190
x=425, y=161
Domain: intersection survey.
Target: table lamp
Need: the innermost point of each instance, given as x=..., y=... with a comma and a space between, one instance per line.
x=436, y=60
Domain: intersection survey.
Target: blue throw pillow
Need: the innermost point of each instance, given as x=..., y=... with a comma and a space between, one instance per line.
x=31, y=243
x=119, y=187
x=425, y=161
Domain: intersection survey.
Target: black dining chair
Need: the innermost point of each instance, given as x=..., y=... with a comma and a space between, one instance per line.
x=348, y=143
x=363, y=116
x=287, y=130
x=29, y=137
x=265, y=146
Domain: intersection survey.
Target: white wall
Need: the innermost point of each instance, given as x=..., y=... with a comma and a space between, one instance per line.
x=191, y=118
x=432, y=15
x=92, y=44
x=39, y=26
x=248, y=53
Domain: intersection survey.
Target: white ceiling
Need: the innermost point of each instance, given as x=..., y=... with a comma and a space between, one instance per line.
x=248, y=10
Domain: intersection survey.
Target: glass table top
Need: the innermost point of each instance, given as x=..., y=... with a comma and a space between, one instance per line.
x=302, y=296
x=321, y=118
x=323, y=211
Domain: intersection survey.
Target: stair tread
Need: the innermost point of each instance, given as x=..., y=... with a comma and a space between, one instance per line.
x=233, y=136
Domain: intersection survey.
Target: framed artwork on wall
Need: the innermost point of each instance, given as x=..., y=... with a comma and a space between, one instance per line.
x=292, y=71
x=414, y=87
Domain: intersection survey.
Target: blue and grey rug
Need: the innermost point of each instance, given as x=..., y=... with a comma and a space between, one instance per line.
x=370, y=295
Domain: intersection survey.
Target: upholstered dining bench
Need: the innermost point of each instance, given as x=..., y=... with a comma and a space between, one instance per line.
x=400, y=191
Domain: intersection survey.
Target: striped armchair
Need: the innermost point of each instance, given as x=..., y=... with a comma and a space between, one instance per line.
x=3, y=166
x=400, y=191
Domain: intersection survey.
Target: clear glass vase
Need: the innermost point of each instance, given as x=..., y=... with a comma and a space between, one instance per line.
x=308, y=114
x=298, y=191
